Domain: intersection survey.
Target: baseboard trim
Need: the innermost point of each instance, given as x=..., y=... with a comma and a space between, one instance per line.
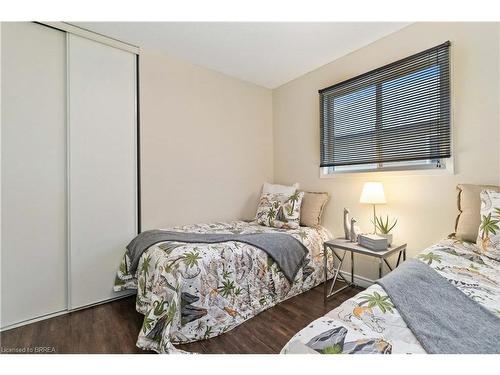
x=103, y=302
x=33, y=320
x=358, y=280
x=59, y=313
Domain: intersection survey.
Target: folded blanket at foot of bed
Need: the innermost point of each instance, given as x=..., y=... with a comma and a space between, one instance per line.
x=443, y=318
x=285, y=250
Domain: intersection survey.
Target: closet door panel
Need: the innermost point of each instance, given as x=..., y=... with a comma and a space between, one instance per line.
x=102, y=166
x=33, y=172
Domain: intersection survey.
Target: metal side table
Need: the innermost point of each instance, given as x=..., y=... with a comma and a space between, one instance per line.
x=341, y=244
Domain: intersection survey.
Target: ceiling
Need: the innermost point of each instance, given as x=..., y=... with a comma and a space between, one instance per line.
x=267, y=54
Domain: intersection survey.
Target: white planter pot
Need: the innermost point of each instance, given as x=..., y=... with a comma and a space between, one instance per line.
x=388, y=236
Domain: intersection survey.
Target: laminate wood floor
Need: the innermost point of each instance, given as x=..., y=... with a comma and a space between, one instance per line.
x=113, y=328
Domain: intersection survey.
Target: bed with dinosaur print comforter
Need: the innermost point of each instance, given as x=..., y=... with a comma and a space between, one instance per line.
x=191, y=291
x=369, y=322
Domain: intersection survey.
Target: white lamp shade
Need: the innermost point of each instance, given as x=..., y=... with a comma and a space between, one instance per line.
x=373, y=193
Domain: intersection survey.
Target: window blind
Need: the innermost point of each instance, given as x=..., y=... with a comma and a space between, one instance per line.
x=399, y=112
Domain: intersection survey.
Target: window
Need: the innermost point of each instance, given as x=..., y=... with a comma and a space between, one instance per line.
x=394, y=117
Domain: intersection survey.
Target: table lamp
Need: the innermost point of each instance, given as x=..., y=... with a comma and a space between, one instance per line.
x=373, y=193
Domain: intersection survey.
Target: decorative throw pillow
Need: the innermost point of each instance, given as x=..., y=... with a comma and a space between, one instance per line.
x=469, y=205
x=488, y=238
x=312, y=208
x=279, y=210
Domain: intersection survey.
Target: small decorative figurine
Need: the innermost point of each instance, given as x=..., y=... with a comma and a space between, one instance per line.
x=354, y=232
x=347, y=228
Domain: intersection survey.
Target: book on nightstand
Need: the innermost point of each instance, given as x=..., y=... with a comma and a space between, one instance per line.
x=373, y=242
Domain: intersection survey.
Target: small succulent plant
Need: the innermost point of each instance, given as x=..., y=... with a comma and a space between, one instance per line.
x=384, y=226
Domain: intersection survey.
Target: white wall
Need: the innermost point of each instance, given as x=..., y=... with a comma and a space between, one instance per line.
x=424, y=202
x=206, y=143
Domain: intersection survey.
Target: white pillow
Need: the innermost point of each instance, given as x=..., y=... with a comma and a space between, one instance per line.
x=279, y=189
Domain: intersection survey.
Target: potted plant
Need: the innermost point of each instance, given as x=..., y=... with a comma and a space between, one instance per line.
x=384, y=227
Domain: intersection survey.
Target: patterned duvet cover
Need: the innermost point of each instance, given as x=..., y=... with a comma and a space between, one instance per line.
x=189, y=292
x=369, y=323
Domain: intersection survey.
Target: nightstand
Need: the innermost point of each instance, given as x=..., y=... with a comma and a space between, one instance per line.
x=339, y=248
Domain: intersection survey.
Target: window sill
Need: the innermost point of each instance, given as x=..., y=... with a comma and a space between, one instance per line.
x=402, y=171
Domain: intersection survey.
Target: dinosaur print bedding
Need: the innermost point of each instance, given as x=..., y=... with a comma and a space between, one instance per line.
x=369, y=322
x=189, y=292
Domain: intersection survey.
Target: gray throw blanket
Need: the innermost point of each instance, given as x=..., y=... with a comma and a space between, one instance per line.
x=442, y=318
x=288, y=252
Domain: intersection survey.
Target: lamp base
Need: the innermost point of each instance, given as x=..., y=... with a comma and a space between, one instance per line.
x=374, y=220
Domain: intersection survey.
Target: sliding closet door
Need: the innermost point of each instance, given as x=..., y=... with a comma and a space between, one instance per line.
x=33, y=152
x=102, y=166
